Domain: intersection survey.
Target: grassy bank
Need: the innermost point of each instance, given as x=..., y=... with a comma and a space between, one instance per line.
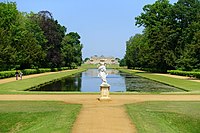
x=29, y=117
x=21, y=85
x=165, y=117
x=179, y=83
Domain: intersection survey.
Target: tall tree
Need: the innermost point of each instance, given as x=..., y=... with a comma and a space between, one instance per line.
x=133, y=46
x=187, y=16
x=29, y=44
x=8, y=22
x=158, y=23
x=71, y=49
x=54, y=34
x=34, y=40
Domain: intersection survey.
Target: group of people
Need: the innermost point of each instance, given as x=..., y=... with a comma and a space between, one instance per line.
x=18, y=74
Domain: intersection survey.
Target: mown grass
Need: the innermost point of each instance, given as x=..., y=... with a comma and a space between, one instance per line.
x=184, y=84
x=165, y=117
x=21, y=85
x=18, y=87
x=35, y=117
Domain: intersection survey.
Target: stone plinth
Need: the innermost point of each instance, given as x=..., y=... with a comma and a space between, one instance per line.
x=105, y=91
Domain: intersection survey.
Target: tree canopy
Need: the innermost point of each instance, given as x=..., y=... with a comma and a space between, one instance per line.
x=170, y=39
x=33, y=40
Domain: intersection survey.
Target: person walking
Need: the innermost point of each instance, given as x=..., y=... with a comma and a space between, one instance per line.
x=20, y=74
x=16, y=74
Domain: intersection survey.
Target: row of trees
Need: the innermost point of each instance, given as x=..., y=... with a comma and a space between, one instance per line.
x=35, y=40
x=170, y=39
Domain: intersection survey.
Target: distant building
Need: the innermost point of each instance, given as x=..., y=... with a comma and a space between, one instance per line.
x=97, y=59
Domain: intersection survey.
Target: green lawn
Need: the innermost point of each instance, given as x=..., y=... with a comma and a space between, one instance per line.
x=180, y=83
x=165, y=117
x=43, y=117
x=187, y=85
x=21, y=85
x=18, y=87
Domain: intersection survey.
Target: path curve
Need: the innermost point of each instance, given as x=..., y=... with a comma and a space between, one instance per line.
x=106, y=117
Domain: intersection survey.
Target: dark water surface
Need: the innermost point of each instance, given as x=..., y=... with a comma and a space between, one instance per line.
x=89, y=81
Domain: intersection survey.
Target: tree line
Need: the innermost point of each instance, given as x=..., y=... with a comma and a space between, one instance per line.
x=35, y=40
x=170, y=39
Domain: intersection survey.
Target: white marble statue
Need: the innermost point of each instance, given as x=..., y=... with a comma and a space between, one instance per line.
x=102, y=72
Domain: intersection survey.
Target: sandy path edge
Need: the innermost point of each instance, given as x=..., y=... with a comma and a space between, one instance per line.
x=13, y=79
x=106, y=117
x=178, y=77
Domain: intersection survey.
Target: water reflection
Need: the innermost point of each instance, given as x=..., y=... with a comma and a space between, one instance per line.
x=138, y=84
x=89, y=81
x=72, y=83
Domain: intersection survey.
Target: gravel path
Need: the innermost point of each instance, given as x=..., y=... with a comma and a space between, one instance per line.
x=13, y=79
x=179, y=77
x=96, y=116
x=106, y=116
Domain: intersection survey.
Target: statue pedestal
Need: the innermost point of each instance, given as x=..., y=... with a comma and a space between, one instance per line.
x=105, y=91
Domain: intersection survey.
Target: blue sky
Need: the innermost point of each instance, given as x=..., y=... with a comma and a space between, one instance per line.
x=104, y=25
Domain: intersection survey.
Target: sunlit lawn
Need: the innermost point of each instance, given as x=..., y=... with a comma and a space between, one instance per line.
x=165, y=117
x=18, y=87
x=21, y=85
x=43, y=117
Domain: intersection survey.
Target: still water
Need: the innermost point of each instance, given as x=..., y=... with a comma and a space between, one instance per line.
x=89, y=81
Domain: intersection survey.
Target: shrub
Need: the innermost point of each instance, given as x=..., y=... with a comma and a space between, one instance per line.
x=185, y=73
x=7, y=74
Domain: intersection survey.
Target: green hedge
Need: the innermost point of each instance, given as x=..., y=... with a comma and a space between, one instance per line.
x=7, y=74
x=185, y=73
